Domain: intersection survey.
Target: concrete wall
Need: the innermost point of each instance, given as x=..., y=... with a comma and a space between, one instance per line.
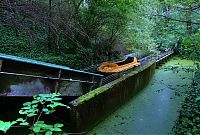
x=91, y=108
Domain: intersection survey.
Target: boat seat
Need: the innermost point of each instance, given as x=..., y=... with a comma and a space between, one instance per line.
x=109, y=64
x=128, y=60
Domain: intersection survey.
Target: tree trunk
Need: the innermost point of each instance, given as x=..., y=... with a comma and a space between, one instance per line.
x=189, y=21
x=166, y=11
x=49, y=27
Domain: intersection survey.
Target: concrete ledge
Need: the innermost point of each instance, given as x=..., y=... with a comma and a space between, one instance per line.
x=91, y=108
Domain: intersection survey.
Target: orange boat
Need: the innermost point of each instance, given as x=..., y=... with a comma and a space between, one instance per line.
x=109, y=67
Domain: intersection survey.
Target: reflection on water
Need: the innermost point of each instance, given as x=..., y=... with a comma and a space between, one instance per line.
x=28, y=88
x=19, y=86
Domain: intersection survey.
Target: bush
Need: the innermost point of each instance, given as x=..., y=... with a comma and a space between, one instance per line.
x=190, y=47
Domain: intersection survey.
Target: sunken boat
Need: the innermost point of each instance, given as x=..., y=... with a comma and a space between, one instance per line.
x=119, y=66
x=21, y=77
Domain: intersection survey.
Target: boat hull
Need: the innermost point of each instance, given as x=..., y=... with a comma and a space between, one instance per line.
x=110, y=68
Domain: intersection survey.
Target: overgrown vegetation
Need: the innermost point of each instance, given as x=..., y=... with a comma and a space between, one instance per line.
x=190, y=46
x=65, y=31
x=188, y=121
x=79, y=33
x=42, y=104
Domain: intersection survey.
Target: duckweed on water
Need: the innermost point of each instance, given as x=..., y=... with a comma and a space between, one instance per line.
x=154, y=109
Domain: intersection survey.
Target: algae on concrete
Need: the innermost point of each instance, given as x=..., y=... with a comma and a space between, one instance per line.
x=90, y=95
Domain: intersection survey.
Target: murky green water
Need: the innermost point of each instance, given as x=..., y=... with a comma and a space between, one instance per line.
x=154, y=109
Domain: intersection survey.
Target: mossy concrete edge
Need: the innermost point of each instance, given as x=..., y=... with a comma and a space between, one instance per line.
x=89, y=109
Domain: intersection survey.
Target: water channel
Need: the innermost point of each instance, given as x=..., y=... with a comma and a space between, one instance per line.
x=154, y=109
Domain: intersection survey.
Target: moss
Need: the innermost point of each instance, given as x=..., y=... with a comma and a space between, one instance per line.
x=91, y=94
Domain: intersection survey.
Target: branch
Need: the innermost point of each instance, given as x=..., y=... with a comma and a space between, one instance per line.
x=184, y=21
x=188, y=9
x=193, y=8
x=196, y=12
x=79, y=4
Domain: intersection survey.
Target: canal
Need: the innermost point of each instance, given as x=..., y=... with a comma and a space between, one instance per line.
x=154, y=109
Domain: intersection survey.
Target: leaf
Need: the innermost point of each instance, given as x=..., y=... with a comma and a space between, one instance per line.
x=26, y=108
x=45, y=109
x=68, y=107
x=31, y=114
x=58, y=125
x=197, y=99
x=4, y=126
x=13, y=122
x=60, y=104
x=42, y=125
x=20, y=119
x=55, y=104
x=35, y=101
x=48, y=133
x=22, y=112
x=51, y=105
x=24, y=124
x=36, y=129
x=39, y=122
x=27, y=104
x=34, y=106
x=57, y=99
x=56, y=129
x=51, y=111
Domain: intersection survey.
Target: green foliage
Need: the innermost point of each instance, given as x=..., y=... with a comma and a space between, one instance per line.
x=42, y=104
x=188, y=121
x=198, y=98
x=41, y=127
x=10, y=43
x=173, y=22
x=186, y=3
x=139, y=30
x=103, y=23
x=88, y=32
x=4, y=126
x=190, y=46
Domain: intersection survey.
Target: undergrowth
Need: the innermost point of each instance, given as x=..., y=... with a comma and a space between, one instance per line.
x=188, y=122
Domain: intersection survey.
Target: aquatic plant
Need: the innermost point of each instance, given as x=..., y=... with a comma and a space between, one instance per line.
x=188, y=121
x=42, y=104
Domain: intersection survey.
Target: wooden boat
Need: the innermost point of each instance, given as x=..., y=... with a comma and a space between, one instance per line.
x=109, y=67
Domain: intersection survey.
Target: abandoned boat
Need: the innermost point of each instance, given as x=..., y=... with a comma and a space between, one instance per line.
x=113, y=67
x=21, y=77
